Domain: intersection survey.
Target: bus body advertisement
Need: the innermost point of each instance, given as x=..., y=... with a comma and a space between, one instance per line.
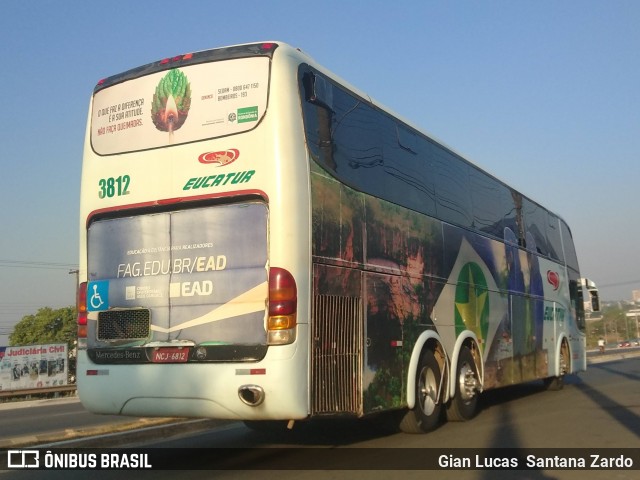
x=262, y=241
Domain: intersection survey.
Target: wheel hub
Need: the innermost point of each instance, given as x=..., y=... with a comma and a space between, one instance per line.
x=428, y=391
x=468, y=382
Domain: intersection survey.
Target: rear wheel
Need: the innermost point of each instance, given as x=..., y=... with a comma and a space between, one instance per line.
x=556, y=383
x=464, y=403
x=425, y=415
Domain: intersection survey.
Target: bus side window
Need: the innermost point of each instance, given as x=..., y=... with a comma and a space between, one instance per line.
x=577, y=300
x=553, y=237
x=569, y=248
x=486, y=196
x=318, y=118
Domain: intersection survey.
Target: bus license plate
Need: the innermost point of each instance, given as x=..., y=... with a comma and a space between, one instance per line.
x=170, y=355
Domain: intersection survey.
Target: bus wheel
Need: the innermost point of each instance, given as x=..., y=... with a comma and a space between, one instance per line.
x=425, y=415
x=556, y=383
x=465, y=401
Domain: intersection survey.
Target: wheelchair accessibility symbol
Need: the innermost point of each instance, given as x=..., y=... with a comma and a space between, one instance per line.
x=98, y=296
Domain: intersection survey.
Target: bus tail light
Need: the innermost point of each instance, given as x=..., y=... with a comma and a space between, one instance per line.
x=81, y=303
x=283, y=305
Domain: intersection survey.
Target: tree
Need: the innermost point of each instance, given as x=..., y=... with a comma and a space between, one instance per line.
x=46, y=326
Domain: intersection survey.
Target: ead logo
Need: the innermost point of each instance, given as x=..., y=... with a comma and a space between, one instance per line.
x=23, y=459
x=554, y=279
x=220, y=159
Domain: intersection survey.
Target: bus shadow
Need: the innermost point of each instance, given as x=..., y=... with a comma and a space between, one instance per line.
x=610, y=368
x=508, y=394
x=331, y=432
x=505, y=435
x=617, y=411
x=348, y=431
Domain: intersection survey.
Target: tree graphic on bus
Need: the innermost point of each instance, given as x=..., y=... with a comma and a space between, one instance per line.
x=171, y=101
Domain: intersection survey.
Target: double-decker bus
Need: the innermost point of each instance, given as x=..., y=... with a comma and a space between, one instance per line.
x=262, y=241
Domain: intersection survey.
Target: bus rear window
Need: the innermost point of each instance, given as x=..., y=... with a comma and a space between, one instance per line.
x=180, y=105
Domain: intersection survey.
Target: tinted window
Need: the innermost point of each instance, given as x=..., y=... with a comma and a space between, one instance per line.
x=535, y=219
x=371, y=151
x=357, y=142
x=409, y=176
x=577, y=299
x=553, y=237
x=512, y=205
x=452, y=188
x=367, y=149
x=569, y=249
x=488, y=209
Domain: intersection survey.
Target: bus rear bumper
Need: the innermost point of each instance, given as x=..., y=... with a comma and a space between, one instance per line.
x=272, y=389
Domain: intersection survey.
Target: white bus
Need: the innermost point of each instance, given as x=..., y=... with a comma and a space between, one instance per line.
x=261, y=241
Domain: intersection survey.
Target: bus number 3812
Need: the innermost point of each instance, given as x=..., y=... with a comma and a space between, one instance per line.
x=112, y=187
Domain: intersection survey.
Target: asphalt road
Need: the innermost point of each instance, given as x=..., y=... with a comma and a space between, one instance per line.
x=596, y=410
x=40, y=418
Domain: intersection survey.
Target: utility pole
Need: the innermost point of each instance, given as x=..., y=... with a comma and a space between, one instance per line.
x=76, y=273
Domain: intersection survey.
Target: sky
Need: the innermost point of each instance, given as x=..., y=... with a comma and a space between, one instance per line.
x=543, y=94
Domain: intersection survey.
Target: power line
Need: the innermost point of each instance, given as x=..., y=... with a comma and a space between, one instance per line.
x=30, y=264
x=618, y=284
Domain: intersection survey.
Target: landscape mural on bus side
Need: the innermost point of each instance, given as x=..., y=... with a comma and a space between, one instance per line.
x=415, y=273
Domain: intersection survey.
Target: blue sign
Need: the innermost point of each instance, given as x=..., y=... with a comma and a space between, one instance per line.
x=98, y=296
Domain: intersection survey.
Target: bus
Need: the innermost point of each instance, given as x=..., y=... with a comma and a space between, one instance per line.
x=261, y=241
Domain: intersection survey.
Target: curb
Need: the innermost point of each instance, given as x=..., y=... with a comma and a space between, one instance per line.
x=112, y=435
x=612, y=357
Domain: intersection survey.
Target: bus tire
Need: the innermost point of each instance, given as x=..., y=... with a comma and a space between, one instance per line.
x=556, y=383
x=426, y=413
x=463, y=405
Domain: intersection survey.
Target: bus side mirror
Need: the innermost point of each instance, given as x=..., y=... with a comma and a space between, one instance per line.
x=593, y=293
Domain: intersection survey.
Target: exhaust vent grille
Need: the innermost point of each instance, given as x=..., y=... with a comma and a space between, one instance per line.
x=336, y=363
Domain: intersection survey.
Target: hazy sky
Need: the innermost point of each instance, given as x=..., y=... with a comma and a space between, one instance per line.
x=543, y=94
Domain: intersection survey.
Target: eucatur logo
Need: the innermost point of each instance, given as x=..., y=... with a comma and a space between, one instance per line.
x=554, y=279
x=220, y=158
